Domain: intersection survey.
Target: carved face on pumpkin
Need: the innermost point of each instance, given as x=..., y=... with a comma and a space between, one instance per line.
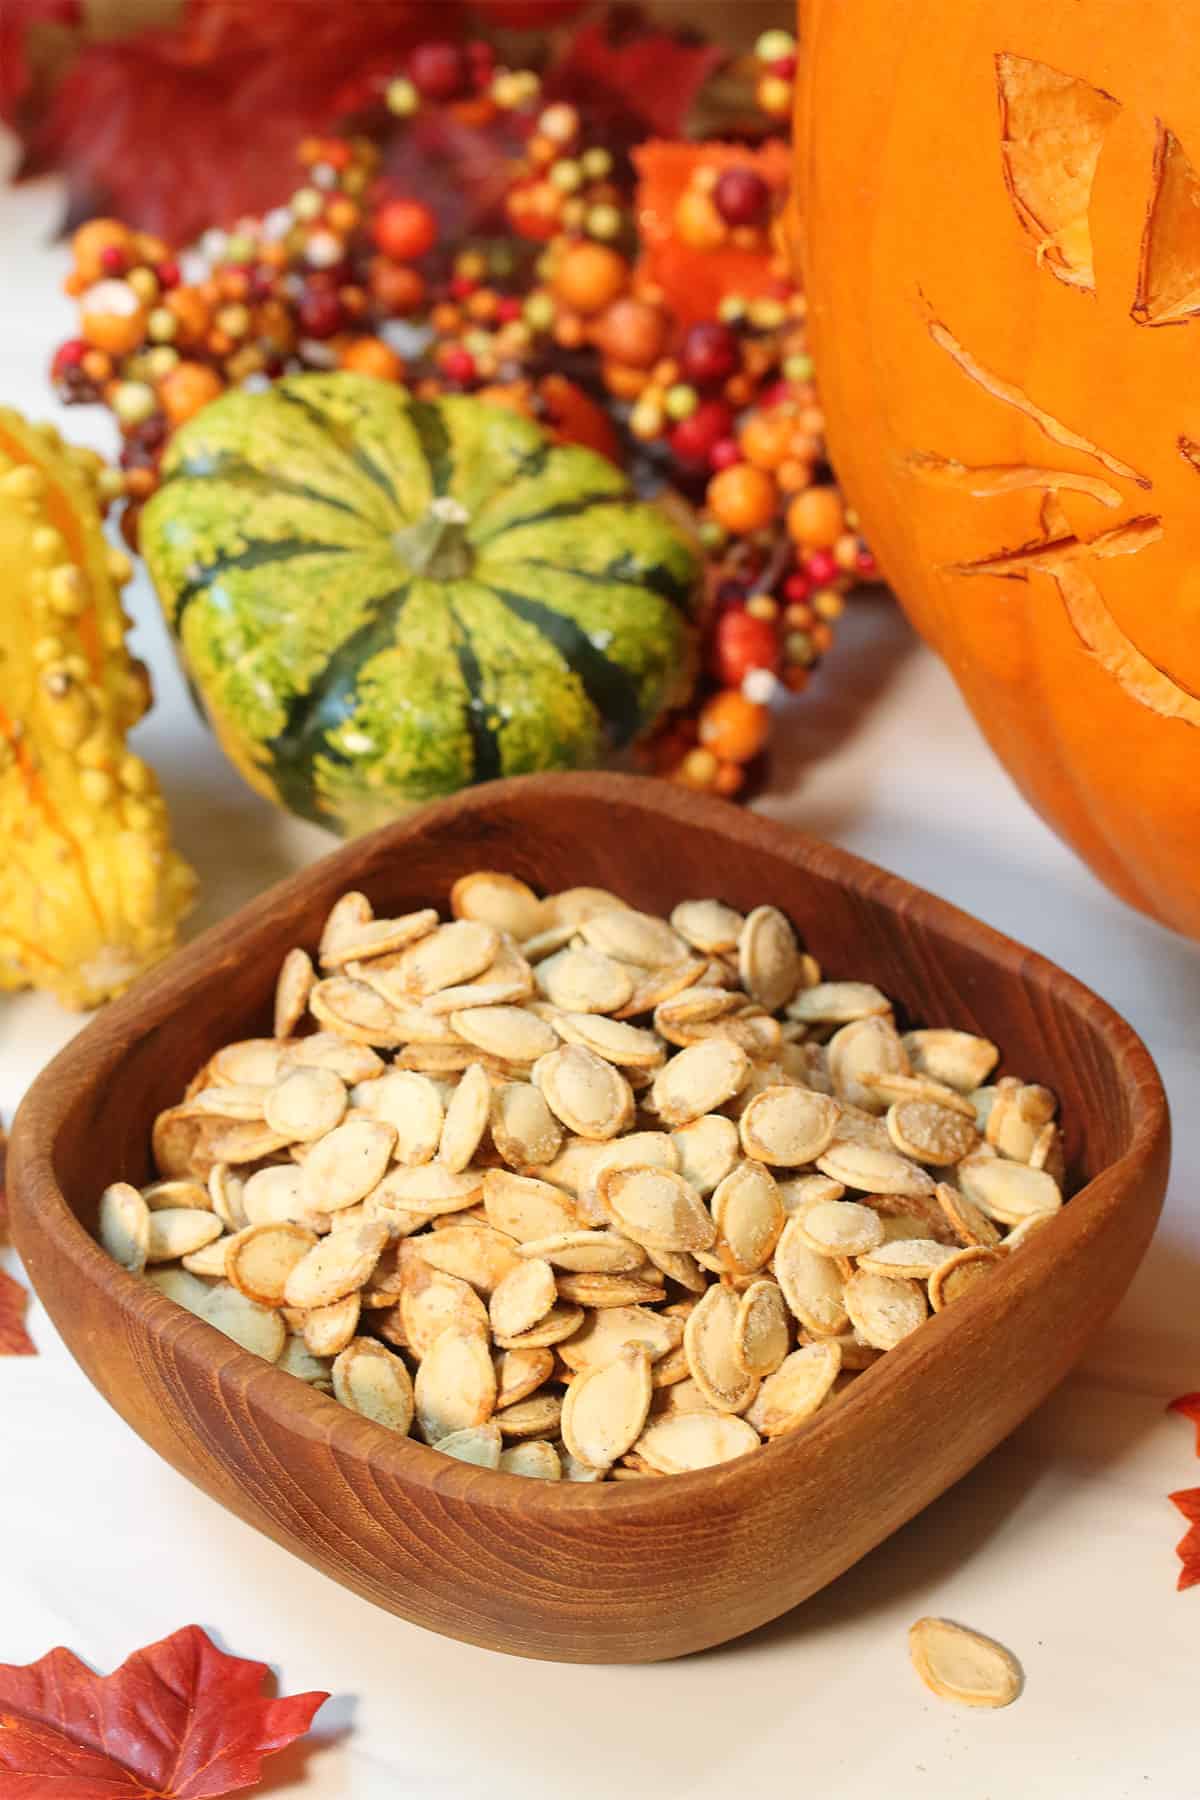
x=1008, y=347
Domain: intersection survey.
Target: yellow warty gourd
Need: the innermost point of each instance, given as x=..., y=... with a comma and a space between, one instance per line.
x=91, y=891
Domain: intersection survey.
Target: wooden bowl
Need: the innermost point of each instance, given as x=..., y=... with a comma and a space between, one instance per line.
x=640, y=1570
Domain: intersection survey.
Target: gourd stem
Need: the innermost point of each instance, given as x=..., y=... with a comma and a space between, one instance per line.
x=436, y=546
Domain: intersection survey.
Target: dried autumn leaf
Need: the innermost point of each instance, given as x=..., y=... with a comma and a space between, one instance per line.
x=632, y=82
x=14, y=1339
x=176, y=130
x=1189, y=1406
x=1188, y=1547
x=19, y=19
x=179, y=1720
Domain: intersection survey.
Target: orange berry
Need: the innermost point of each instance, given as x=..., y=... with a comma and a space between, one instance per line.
x=569, y=331
x=112, y=318
x=96, y=365
x=766, y=438
x=792, y=475
x=404, y=229
x=698, y=769
x=233, y=283
x=845, y=551
x=192, y=310
x=187, y=388
x=633, y=333
x=739, y=390
x=733, y=728
x=398, y=290
x=90, y=242
x=274, y=326
x=140, y=483
x=697, y=222
x=624, y=382
x=589, y=277
x=816, y=519
x=371, y=356
x=483, y=304
x=445, y=318
x=342, y=215
x=742, y=498
x=730, y=777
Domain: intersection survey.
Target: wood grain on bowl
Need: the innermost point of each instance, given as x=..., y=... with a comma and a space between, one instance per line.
x=647, y=1569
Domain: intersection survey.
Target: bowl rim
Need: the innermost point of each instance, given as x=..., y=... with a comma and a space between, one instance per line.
x=201, y=1350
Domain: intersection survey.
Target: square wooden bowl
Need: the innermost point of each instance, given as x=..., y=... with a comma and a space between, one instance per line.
x=608, y=1573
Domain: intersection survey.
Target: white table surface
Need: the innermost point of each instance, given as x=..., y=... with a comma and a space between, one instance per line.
x=1060, y=1544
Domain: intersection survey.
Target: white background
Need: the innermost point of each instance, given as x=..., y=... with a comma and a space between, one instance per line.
x=1060, y=1544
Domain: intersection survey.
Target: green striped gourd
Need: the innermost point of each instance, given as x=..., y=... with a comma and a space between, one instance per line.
x=382, y=599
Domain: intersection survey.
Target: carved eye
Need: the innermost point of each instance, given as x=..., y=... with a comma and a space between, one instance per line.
x=1052, y=127
x=1168, y=291
x=1052, y=130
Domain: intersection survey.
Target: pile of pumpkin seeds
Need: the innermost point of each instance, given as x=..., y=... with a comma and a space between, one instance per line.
x=576, y=1192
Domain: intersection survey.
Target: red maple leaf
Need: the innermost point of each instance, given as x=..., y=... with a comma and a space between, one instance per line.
x=17, y=19
x=195, y=126
x=178, y=1720
x=633, y=81
x=1189, y=1406
x=1188, y=1547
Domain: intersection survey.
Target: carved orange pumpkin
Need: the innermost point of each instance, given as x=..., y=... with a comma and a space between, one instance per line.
x=1002, y=205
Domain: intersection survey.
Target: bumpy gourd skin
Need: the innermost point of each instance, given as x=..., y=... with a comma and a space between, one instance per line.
x=91, y=891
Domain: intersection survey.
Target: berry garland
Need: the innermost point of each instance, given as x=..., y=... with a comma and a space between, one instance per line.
x=641, y=305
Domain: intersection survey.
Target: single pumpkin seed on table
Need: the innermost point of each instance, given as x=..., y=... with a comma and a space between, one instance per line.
x=559, y=1180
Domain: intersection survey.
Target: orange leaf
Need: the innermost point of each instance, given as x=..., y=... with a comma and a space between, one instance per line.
x=178, y=130
x=1189, y=1406
x=179, y=1720
x=1188, y=1547
x=696, y=281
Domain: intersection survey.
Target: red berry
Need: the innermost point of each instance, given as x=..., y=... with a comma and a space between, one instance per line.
x=692, y=440
x=821, y=567
x=404, y=229
x=724, y=454
x=262, y=282
x=740, y=642
x=461, y=286
x=68, y=356
x=457, y=364
x=319, y=314
x=741, y=196
x=113, y=260
x=508, y=308
x=437, y=71
x=710, y=354
x=783, y=66
x=797, y=588
x=481, y=60
x=169, y=273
